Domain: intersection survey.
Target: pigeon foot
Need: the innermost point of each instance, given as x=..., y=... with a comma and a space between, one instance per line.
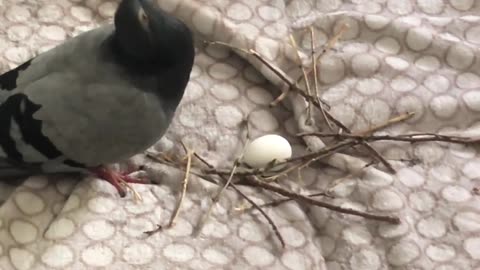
x=118, y=179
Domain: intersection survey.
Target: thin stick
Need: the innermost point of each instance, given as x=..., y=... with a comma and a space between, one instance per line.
x=280, y=73
x=411, y=138
x=227, y=183
x=293, y=86
x=307, y=81
x=205, y=174
x=276, y=203
x=282, y=201
x=307, y=159
x=254, y=53
x=328, y=150
x=158, y=229
x=267, y=217
x=376, y=155
x=306, y=199
x=330, y=44
x=286, y=171
x=315, y=77
x=216, y=199
x=279, y=99
x=372, y=150
x=337, y=181
x=300, y=177
x=184, y=188
x=136, y=195
x=168, y=161
x=389, y=122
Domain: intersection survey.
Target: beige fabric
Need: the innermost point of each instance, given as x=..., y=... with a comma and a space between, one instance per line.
x=398, y=56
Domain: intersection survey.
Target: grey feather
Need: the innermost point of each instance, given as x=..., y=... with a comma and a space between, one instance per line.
x=96, y=103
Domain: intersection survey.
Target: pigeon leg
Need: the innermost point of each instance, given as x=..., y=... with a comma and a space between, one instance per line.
x=118, y=180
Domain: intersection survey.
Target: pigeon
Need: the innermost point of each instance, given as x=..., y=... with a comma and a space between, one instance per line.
x=98, y=98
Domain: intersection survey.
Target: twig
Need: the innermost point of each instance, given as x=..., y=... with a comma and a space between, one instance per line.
x=251, y=180
x=154, y=231
x=250, y=176
x=307, y=81
x=293, y=86
x=411, y=138
x=247, y=128
x=376, y=155
x=363, y=142
x=281, y=97
x=330, y=44
x=216, y=199
x=324, y=152
x=229, y=180
x=344, y=144
x=282, y=201
x=302, y=198
x=267, y=217
x=280, y=73
x=184, y=187
x=254, y=53
x=409, y=161
x=373, y=151
x=136, y=195
x=392, y=121
x=286, y=171
x=204, y=173
x=315, y=77
x=307, y=159
x=356, y=173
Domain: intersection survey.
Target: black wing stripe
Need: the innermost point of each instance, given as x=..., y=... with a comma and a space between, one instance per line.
x=6, y=141
x=32, y=129
x=8, y=80
x=20, y=109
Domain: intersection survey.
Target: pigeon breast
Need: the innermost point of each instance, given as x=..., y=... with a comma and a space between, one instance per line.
x=89, y=109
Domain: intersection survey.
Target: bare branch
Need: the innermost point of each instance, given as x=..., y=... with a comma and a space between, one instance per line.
x=306, y=199
x=411, y=138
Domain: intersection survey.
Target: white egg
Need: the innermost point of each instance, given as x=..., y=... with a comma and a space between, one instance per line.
x=264, y=149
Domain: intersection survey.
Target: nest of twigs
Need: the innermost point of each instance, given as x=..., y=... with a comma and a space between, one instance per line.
x=341, y=139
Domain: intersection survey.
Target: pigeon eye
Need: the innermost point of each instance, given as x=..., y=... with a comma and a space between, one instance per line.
x=142, y=16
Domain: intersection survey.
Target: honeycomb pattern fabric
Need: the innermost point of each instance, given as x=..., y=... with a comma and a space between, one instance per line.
x=397, y=56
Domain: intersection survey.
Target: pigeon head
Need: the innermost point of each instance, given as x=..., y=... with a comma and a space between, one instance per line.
x=146, y=34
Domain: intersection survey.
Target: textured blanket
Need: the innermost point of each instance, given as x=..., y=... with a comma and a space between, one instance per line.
x=396, y=56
